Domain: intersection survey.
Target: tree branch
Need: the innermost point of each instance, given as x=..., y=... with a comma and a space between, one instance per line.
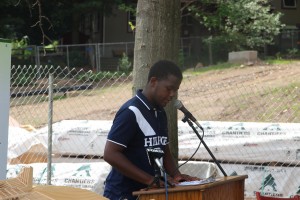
x=39, y=23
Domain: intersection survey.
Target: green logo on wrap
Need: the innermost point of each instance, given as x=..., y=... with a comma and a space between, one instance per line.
x=84, y=170
x=273, y=129
x=269, y=183
x=233, y=174
x=44, y=173
x=236, y=131
x=298, y=192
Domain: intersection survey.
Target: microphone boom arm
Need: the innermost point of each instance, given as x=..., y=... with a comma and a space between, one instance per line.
x=186, y=119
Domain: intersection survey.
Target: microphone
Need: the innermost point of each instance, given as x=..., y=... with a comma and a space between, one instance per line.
x=187, y=113
x=154, y=155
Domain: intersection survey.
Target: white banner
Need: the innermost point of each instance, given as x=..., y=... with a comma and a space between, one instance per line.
x=272, y=181
x=228, y=141
x=243, y=142
x=91, y=176
x=77, y=137
x=252, y=143
x=78, y=175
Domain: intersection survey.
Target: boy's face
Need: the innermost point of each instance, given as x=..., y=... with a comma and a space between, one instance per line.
x=164, y=90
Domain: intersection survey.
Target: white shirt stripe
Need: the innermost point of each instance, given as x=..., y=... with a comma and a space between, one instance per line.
x=142, y=122
x=117, y=143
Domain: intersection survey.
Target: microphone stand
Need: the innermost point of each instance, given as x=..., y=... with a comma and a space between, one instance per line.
x=186, y=119
x=157, y=177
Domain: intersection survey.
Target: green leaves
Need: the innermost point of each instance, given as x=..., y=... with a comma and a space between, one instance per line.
x=247, y=23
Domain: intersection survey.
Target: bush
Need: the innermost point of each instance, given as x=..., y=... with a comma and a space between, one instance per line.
x=22, y=80
x=124, y=64
x=95, y=77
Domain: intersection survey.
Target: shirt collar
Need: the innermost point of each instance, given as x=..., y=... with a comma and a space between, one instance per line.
x=145, y=101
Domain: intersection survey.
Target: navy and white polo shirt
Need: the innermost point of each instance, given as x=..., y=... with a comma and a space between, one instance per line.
x=137, y=126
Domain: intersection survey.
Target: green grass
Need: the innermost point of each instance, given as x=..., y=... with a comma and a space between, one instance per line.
x=279, y=61
x=292, y=106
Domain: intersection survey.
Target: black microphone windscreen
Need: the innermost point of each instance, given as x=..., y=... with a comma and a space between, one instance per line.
x=178, y=104
x=155, y=152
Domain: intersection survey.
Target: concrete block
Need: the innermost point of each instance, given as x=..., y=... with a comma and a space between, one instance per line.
x=242, y=57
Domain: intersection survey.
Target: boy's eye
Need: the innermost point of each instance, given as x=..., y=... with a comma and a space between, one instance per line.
x=169, y=88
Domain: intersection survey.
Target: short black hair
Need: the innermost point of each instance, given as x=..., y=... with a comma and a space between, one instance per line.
x=162, y=68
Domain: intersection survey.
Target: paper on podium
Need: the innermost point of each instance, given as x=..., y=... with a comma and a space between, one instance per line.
x=199, y=182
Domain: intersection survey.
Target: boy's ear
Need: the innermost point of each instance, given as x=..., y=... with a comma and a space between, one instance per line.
x=153, y=81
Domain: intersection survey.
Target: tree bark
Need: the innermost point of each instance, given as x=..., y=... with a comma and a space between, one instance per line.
x=157, y=37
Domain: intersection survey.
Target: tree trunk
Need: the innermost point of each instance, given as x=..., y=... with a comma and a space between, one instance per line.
x=157, y=37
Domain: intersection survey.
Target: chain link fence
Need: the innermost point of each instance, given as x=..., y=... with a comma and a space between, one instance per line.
x=196, y=50
x=95, y=57
x=106, y=56
x=250, y=119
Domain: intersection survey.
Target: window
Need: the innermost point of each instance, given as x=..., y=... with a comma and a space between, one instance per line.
x=95, y=22
x=187, y=20
x=289, y=4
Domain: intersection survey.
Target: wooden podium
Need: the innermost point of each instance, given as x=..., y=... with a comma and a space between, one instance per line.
x=225, y=188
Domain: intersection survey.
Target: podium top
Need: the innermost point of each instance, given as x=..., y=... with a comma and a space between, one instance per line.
x=65, y=192
x=219, y=181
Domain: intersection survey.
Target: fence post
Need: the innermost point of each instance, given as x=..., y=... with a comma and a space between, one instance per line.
x=210, y=53
x=38, y=62
x=5, y=64
x=98, y=58
x=68, y=59
x=50, y=119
